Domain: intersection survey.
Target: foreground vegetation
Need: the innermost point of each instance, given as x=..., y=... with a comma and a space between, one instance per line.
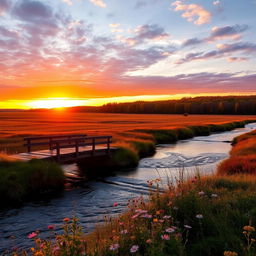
x=20, y=181
x=213, y=215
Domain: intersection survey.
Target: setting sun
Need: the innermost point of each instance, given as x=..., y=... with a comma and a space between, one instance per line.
x=55, y=103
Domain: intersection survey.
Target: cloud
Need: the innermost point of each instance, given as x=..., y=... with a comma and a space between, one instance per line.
x=99, y=3
x=233, y=32
x=4, y=5
x=30, y=10
x=193, y=12
x=217, y=2
x=69, y=2
x=222, y=51
x=236, y=59
x=192, y=42
x=152, y=32
x=218, y=33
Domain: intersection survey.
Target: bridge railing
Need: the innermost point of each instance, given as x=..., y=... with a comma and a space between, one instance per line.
x=75, y=141
x=88, y=141
x=48, y=140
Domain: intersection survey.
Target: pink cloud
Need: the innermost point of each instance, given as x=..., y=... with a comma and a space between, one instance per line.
x=193, y=12
x=99, y=3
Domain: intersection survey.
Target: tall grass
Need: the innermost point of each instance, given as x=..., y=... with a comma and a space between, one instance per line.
x=242, y=156
x=20, y=181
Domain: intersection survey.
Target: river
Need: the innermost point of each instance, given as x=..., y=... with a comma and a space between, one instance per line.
x=94, y=200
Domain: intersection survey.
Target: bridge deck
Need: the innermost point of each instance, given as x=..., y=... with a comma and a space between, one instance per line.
x=66, y=148
x=67, y=154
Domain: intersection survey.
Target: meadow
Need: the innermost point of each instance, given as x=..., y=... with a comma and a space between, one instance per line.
x=16, y=125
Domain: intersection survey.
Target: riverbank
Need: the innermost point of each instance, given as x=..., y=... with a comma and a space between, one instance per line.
x=23, y=181
x=138, y=144
x=203, y=216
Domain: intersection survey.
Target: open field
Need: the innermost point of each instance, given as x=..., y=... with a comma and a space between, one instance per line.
x=15, y=125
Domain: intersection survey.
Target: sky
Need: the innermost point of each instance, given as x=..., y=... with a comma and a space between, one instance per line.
x=90, y=52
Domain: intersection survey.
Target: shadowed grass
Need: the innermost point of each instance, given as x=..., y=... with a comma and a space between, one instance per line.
x=20, y=181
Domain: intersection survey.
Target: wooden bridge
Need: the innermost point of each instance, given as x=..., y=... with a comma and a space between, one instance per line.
x=65, y=148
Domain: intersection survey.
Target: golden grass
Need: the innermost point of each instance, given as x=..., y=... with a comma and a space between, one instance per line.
x=15, y=126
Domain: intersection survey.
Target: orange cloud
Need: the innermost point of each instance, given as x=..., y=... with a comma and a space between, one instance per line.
x=193, y=12
x=99, y=3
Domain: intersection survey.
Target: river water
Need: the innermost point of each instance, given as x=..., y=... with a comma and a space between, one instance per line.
x=94, y=200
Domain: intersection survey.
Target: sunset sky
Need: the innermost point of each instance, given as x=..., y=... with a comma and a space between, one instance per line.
x=89, y=52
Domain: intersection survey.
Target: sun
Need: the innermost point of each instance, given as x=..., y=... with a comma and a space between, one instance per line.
x=57, y=103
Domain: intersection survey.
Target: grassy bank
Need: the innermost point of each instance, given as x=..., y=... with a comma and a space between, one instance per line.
x=141, y=143
x=242, y=156
x=212, y=216
x=20, y=181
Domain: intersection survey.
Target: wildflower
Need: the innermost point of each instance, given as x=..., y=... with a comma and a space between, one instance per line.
x=214, y=195
x=149, y=241
x=135, y=216
x=229, y=253
x=50, y=227
x=161, y=221
x=121, y=223
x=134, y=248
x=140, y=211
x=175, y=208
x=66, y=219
x=38, y=253
x=125, y=231
x=133, y=237
x=201, y=193
x=249, y=228
x=158, y=212
x=199, y=216
x=32, y=235
x=187, y=226
x=114, y=247
x=165, y=237
x=115, y=204
x=146, y=216
x=167, y=217
x=170, y=230
x=155, y=220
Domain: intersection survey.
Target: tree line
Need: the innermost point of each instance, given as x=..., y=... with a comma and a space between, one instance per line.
x=230, y=105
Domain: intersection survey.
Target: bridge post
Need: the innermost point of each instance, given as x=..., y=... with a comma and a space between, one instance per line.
x=77, y=149
x=108, y=145
x=93, y=146
x=29, y=145
x=58, y=151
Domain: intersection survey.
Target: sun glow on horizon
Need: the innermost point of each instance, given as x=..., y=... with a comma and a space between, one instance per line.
x=55, y=103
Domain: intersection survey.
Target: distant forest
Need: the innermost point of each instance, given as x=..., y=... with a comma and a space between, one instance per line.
x=230, y=105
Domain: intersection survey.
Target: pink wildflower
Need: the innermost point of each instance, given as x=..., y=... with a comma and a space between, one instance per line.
x=149, y=241
x=32, y=235
x=165, y=237
x=167, y=217
x=50, y=227
x=201, y=193
x=187, y=226
x=114, y=247
x=115, y=204
x=125, y=231
x=170, y=230
x=134, y=248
